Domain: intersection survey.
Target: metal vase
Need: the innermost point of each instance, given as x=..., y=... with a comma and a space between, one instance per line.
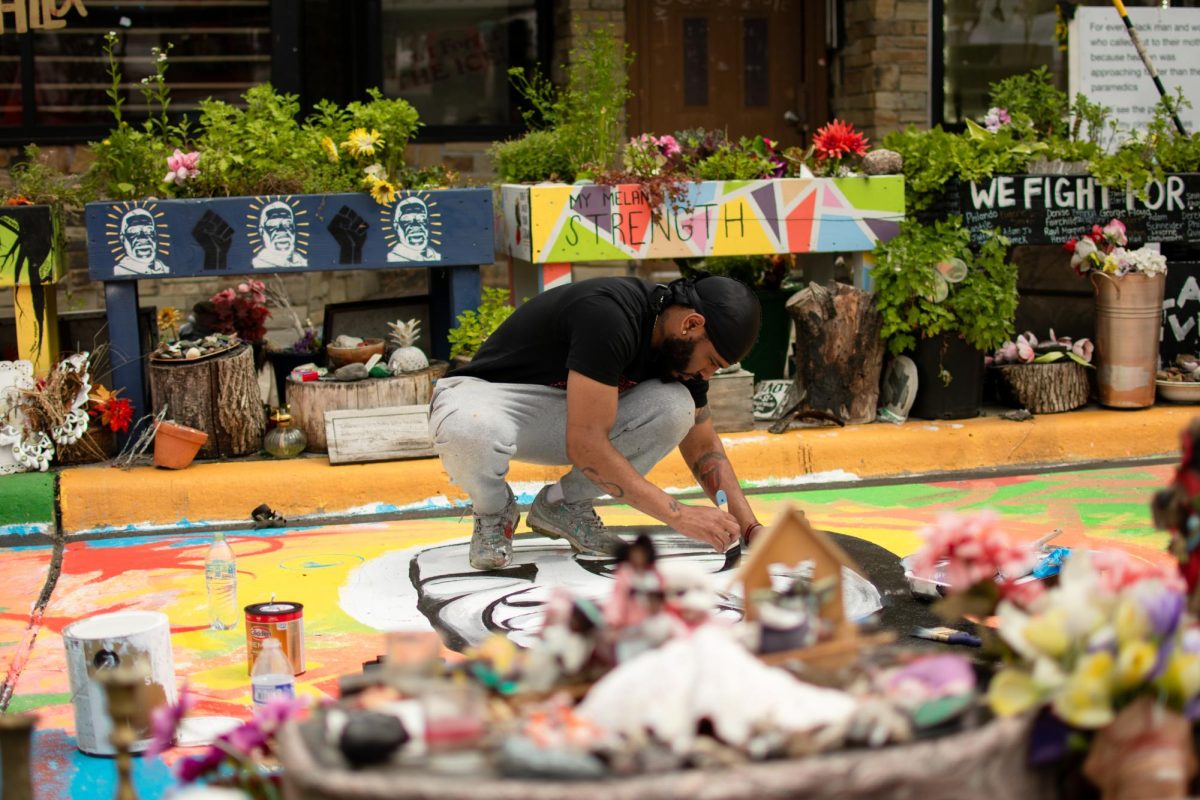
x=1128, y=329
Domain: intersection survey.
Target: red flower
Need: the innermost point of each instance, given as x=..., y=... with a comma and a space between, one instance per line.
x=1069, y=245
x=117, y=414
x=838, y=139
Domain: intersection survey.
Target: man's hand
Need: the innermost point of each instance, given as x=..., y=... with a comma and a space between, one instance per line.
x=710, y=525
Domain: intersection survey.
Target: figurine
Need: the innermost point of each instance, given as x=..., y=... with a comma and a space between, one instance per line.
x=638, y=585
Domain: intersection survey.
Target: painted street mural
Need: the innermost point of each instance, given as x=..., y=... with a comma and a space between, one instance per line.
x=356, y=581
x=546, y=224
x=242, y=235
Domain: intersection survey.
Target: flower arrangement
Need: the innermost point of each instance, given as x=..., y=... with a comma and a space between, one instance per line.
x=1105, y=249
x=647, y=156
x=243, y=310
x=236, y=758
x=50, y=414
x=1028, y=349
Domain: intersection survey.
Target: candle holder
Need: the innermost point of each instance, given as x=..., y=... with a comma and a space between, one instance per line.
x=123, y=688
x=16, y=739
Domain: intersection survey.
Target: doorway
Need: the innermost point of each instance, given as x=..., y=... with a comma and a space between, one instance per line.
x=751, y=67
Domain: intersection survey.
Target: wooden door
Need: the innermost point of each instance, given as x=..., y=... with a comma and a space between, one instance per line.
x=746, y=66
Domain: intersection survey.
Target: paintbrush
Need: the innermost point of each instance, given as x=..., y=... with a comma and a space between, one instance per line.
x=947, y=636
x=723, y=504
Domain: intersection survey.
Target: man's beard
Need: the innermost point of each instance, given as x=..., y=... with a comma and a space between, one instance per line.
x=672, y=357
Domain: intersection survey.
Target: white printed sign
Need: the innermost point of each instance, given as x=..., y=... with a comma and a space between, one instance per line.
x=1105, y=66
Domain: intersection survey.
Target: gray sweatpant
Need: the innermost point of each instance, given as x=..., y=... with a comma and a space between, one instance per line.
x=479, y=426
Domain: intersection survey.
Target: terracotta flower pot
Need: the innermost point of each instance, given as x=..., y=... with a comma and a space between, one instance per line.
x=176, y=445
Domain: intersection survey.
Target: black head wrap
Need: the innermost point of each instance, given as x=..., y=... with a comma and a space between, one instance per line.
x=730, y=309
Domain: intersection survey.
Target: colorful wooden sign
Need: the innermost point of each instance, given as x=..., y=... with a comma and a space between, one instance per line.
x=288, y=233
x=31, y=263
x=556, y=223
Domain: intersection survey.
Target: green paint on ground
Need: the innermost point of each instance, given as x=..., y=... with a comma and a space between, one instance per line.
x=31, y=702
x=27, y=497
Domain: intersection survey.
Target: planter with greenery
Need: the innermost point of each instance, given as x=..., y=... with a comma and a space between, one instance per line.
x=257, y=190
x=573, y=190
x=475, y=326
x=945, y=301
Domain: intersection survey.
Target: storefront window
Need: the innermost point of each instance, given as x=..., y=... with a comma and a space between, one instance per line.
x=450, y=58
x=54, y=81
x=984, y=41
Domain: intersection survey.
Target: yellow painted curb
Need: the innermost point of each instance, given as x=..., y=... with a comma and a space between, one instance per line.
x=93, y=498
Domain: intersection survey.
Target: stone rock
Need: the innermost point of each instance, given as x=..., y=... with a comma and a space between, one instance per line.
x=521, y=758
x=371, y=738
x=347, y=341
x=883, y=162
x=193, y=352
x=351, y=372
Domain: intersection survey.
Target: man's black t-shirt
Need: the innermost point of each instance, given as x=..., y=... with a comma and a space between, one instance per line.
x=600, y=328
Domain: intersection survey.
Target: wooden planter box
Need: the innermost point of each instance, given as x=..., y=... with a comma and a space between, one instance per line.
x=1050, y=209
x=557, y=223
x=447, y=231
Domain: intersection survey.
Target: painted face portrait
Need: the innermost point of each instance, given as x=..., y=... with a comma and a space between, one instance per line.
x=412, y=223
x=277, y=228
x=138, y=237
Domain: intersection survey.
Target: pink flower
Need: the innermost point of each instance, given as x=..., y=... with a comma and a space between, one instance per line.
x=278, y=710
x=1114, y=232
x=1119, y=570
x=182, y=166
x=669, y=145
x=1025, y=352
x=1083, y=348
x=164, y=722
x=191, y=768
x=972, y=549
x=243, y=287
x=1007, y=354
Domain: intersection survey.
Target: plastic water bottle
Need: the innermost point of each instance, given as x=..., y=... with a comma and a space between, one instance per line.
x=220, y=578
x=272, y=673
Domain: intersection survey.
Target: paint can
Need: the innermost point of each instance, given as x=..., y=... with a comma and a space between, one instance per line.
x=140, y=639
x=281, y=620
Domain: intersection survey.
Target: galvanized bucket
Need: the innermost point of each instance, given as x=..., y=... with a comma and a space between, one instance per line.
x=1128, y=329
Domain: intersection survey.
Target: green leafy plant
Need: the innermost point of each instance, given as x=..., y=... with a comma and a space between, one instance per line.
x=916, y=300
x=474, y=327
x=577, y=130
x=735, y=162
x=1034, y=96
x=35, y=181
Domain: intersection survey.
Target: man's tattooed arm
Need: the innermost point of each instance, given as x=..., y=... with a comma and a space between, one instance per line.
x=707, y=469
x=614, y=490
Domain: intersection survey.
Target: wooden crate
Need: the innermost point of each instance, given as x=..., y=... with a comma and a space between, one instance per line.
x=731, y=400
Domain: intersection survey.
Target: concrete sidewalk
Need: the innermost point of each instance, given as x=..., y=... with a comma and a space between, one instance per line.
x=101, y=500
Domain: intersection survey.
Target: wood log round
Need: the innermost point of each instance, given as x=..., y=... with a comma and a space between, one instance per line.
x=217, y=395
x=1045, y=388
x=309, y=401
x=839, y=352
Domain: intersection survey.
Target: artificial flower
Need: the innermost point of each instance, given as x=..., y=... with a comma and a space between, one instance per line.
x=1131, y=623
x=1085, y=702
x=1012, y=692
x=1048, y=632
x=837, y=140
x=1135, y=662
x=996, y=118
x=331, y=150
x=192, y=768
x=362, y=142
x=1025, y=353
x=169, y=320
x=165, y=721
x=1084, y=349
x=1180, y=677
x=1083, y=251
x=182, y=166
x=382, y=191
x=1114, y=232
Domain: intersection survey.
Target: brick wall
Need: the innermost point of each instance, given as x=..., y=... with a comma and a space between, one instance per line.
x=582, y=17
x=881, y=76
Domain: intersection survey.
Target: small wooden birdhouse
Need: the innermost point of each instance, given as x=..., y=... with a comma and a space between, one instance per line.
x=791, y=542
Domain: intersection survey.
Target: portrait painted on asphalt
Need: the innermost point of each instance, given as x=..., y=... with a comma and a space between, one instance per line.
x=137, y=239
x=412, y=229
x=278, y=233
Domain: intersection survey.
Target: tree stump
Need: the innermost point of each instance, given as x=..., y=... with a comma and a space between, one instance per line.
x=1045, y=388
x=839, y=352
x=309, y=401
x=217, y=395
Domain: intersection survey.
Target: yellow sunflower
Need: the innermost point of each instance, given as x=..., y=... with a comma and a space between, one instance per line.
x=331, y=151
x=382, y=190
x=362, y=142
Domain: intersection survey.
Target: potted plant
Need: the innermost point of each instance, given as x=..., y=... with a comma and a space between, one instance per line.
x=945, y=303
x=474, y=327
x=768, y=358
x=1129, y=285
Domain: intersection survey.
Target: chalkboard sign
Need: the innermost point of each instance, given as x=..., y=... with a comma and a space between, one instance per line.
x=1050, y=209
x=1181, y=311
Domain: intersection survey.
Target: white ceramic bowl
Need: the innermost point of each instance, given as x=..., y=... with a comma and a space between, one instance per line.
x=1179, y=391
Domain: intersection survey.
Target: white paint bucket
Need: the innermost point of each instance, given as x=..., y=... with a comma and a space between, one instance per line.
x=136, y=638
